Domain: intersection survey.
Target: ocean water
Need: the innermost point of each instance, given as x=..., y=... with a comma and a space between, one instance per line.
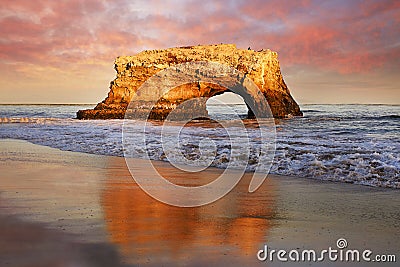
x=349, y=143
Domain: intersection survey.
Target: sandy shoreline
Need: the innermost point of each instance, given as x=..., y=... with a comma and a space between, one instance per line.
x=63, y=208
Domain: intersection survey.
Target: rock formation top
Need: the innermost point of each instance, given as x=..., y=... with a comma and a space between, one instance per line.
x=132, y=71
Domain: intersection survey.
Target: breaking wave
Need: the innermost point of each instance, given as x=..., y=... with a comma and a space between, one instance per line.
x=330, y=142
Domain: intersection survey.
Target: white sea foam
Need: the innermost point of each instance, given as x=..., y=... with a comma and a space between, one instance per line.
x=327, y=143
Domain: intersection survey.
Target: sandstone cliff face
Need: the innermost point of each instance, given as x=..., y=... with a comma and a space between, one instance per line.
x=132, y=71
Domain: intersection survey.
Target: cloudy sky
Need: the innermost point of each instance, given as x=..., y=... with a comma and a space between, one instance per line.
x=330, y=51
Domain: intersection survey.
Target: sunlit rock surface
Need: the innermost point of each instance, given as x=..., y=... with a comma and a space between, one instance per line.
x=132, y=71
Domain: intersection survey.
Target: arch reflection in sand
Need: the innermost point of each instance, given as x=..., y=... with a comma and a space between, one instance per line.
x=146, y=230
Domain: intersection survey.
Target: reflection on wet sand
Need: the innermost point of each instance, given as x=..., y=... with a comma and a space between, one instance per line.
x=148, y=231
x=53, y=202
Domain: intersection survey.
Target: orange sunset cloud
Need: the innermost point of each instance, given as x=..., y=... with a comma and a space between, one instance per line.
x=63, y=51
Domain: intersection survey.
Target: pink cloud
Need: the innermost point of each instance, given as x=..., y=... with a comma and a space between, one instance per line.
x=275, y=9
x=343, y=37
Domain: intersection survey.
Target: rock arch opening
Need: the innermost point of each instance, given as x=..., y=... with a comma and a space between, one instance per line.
x=226, y=104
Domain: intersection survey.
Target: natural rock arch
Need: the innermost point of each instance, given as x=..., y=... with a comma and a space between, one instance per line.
x=262, y=67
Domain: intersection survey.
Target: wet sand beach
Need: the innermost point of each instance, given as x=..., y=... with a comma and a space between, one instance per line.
x=60, y=208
